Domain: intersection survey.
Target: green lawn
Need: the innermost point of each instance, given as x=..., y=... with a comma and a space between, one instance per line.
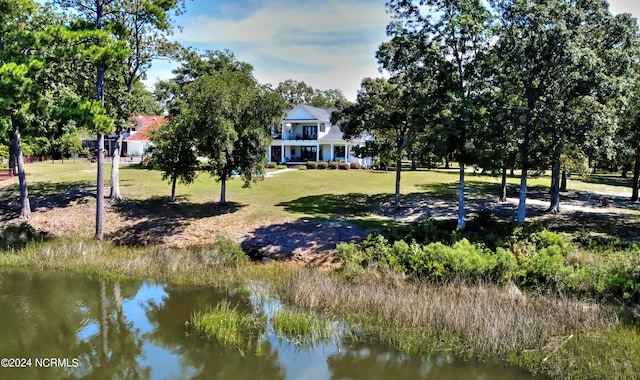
x=364, y=197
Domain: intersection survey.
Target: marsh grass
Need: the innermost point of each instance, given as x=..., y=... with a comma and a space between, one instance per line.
x=220, y=264
x=478, y=320
x=303, y=327
x=228, y=327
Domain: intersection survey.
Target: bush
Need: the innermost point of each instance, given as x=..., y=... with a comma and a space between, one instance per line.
x=271, y=165
x=322, y=165
x=17, y=236
x=343, y=166
x=233, y=254
x=332, y=165
x=354, y=165
x=282, y=166
x=546, y=267
x=4, y=152
x=312, y=165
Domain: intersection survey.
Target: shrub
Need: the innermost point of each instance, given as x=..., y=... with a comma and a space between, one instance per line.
x=546, y=267
x=17, y=236
x=271, y=165
x=231, y=251
x=354, y=165
x=348, y=252
x=332, y=165
x=546, y=238
x=322, y=165
x=282, y=166
x=312, y=165
x=343, y=166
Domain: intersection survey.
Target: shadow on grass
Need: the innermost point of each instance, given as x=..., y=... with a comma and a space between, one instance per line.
x=156, y=218
x=614, y=225
x=344, y=205
x=607, y=179
x=43, y=196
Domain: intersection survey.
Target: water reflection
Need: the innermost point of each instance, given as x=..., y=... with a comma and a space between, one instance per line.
x=130, y=330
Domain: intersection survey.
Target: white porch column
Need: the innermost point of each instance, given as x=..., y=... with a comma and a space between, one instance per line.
x=346, y=152
x=282, y=151
x=269, y=154
x=317, y=152
x=332, y=156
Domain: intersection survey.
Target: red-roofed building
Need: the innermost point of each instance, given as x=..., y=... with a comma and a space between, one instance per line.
x=138, y=138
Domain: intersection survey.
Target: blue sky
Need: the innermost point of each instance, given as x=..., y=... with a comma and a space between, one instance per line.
x=325, y=43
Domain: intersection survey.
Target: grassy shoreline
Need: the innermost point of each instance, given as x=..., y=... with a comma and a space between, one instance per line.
x=545, y=334
x=556, y=337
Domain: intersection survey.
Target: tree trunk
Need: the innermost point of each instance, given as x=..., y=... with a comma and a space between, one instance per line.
x=446, y=161
x=114, y=194
x=174, y=179
x=12, y=159
x=223, y=190
x=636, y=177
x=554, y=206
x=396, y=197
x=563, y=181
x=503, y=185
x=100, y=148
x=25, y=207
x=100, y=188
x=461, y=213
x=512, y=172
x=522, y=204
x=414, y=165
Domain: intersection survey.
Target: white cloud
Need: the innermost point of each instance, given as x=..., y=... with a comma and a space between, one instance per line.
x=327, y=44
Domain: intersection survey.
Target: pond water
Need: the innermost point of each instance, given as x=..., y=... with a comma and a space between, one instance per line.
x=59, y=325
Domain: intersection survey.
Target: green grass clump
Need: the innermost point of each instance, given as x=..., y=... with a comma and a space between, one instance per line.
x=303, y=327
x=228, y=326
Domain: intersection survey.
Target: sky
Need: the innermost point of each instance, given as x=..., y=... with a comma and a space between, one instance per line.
x=328, y=44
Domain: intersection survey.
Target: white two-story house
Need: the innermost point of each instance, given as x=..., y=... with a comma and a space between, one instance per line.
x=308, y=135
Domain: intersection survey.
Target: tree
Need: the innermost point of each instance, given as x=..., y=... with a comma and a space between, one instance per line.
x=560, y=57
x=173, y=152
x=231, y=114
x=382, y=109
x=294, y=93
x=144, y=26
x=19, y=66
x=453, y=37
x=143, y=101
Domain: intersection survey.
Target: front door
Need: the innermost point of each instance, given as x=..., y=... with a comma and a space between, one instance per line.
x=276, y=153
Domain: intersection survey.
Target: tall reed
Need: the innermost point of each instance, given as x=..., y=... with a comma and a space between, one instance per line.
x=486, y=319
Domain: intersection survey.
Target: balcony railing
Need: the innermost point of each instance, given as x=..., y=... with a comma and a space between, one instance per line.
x=299, y=136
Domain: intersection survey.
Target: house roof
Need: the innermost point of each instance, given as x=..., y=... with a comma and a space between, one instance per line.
x=316, y=113
x=147, y=124
x=334, y=134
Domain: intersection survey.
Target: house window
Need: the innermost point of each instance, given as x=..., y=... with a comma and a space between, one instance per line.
x=322, y=127
x=309, y=133
x=309, y=153
x=339, y=153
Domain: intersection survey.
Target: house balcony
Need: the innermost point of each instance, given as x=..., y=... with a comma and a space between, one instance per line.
x=299, y=137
